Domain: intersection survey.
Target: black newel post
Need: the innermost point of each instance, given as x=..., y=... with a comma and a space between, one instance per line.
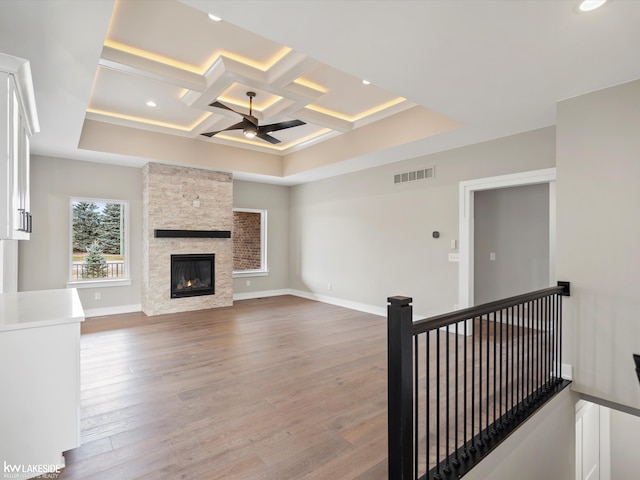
x=400, y=390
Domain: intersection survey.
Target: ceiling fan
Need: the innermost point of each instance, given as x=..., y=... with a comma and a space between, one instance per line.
x=249, y=124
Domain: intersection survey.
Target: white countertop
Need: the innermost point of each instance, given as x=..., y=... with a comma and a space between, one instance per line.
x=39, y=309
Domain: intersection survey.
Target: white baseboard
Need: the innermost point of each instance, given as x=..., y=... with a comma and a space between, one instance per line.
x=361, y=307
x=339, y=302
x=261, y=294
x=101, y=312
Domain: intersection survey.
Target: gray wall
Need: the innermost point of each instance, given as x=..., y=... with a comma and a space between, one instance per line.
x=625, y=438
x=359, y=232
x=370, y=239
x=598, y=234
x=513, y=223
x=274, y=199
x=44, y=259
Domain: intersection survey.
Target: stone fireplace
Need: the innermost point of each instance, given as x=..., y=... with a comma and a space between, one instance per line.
x=186, y=212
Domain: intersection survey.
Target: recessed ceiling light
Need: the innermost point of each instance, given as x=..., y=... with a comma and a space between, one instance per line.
x=151, y=103
x=588, y=5
x=366, y=82
x=214, y=18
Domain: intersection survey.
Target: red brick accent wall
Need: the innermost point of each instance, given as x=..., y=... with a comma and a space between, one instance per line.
x=246, y=241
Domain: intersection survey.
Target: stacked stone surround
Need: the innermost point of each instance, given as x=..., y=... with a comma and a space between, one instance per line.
x=179, y=198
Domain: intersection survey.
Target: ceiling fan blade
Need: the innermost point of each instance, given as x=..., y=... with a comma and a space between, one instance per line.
x=210, y=134
x=217, y=104
x=281, y=126
x=268, y=138
x=235, y=126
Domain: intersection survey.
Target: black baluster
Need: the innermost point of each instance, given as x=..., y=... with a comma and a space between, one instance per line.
x=447, y=468
x=437, y=403
x=488, y=405
x=473, y=384
x=416, y=403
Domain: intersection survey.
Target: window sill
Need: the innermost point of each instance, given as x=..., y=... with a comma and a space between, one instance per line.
x=251, y=273
x=119, y=282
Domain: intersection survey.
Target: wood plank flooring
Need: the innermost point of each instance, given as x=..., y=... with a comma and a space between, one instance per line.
x=276, y=388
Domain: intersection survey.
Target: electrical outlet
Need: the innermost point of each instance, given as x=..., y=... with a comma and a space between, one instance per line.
x=492, y=256
x=454, y=257
x=97, y=296
x=329, y=286
x=248, y=283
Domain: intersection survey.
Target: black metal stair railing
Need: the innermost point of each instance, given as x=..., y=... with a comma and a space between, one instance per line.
x=460, y=383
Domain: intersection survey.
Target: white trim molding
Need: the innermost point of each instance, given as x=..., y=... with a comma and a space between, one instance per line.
x=260, y=294
x=125, y=232
x=339, y=302
x=103, y=312
x=361, y=307
x=115, y=282
x=264, y=269
x=466, y=208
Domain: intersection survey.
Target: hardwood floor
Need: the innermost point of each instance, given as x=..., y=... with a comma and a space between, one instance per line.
x=276, y=388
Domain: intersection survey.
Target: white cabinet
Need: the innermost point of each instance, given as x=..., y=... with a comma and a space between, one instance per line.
x=18, y=121
x=39, y=380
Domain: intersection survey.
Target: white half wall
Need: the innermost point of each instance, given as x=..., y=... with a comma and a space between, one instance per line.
x=543, y=447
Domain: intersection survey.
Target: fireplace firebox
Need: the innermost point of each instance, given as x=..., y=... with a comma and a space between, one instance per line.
x=192, y=275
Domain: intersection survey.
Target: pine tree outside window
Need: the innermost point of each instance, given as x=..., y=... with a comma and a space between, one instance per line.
x=99, y=243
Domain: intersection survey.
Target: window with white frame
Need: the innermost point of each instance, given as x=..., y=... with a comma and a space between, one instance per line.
x=249, y=242
x=99, y=243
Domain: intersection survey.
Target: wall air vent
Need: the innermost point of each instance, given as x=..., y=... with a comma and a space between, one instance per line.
x=422, y=174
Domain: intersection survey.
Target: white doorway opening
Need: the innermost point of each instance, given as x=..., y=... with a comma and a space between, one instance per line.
x=466, y=226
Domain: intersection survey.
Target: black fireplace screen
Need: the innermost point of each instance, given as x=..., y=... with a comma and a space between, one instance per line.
x=192, y=275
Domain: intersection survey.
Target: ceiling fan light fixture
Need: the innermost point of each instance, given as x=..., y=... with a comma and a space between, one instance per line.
x=250, y=125
x=215, y=18
x=589, y=5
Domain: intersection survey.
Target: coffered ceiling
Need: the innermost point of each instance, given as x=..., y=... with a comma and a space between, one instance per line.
x=443, y=74
x=179, y=60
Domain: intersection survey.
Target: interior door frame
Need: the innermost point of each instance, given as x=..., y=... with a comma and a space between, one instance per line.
x=466, y=230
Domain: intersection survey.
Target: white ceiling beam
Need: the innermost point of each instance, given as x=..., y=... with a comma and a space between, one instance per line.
x=136, y=65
